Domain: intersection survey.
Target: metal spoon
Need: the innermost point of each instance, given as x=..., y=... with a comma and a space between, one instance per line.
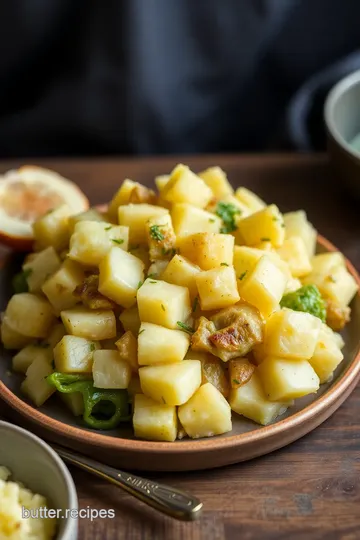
x=168, y=500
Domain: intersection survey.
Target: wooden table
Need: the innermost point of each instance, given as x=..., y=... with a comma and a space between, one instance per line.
x=308, y=490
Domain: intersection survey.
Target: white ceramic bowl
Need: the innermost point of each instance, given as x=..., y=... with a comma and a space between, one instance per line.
x=39, y=468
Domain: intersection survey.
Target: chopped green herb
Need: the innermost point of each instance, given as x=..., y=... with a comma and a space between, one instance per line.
x=275, y=218
x=307, y=299
x=241, y=277
x=156, y=234
x=212, y=220
x=265, y=239
x=227, y=212
x=163, y=307
x=163, y=400
x=141, y=331
x=19, y=281
x=185, y=327
x=235, y=381
x=139, y=284
x=195, y=304
x=117, y=241
x=331, y=278
x=92, y=346
x=171, y=251
x=152, y=276
x=108, y=228
x=224, y=264
x=152, y=281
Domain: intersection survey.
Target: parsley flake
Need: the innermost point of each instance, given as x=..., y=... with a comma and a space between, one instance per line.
x=139, y=284
x=227, y=212
x=141, y=331
x=19, y=281
x=195, y=304
x=235, y=381
x=156, y=234
x=185, y=327
x=92, y=346
x=241, y=277
x=163, y=307
x=108, y=228
x=152, y=281
x=224, y=264
x=117, y=241
x=265, y=239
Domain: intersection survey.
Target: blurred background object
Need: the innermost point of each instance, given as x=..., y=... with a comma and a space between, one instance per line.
x=91, y=77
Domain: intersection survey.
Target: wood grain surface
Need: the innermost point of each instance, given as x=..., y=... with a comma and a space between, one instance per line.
x=309, y=490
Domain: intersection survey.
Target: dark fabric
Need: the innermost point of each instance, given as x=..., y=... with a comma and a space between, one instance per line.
x=158, y=76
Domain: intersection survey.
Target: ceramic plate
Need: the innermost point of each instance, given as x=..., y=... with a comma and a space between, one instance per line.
x=247, y=439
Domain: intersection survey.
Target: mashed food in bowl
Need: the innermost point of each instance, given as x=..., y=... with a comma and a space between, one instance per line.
x=14, y=498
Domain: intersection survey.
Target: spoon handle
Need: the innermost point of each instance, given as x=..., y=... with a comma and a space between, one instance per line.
x=168, y=500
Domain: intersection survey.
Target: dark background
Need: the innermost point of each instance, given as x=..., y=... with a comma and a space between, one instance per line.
x=90, y=77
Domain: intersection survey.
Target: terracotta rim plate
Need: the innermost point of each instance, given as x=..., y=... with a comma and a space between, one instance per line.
x=202, y=453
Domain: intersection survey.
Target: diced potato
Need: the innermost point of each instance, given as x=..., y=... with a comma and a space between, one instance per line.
x=173, y=384
x=130, y=319
x=40, y=268
x=159, y=345
x=230, y=201
x=245, y=259
x=141, y=194
x=291, y=334
x=52, y=229
x=89, y=295
x=89, y=323
x=324, y=263
x=161, y=237
x=184, y=186
x=11, y=339
x=338, y=340
x=110, y=371
x=128, y=350
x=208, y=250
x=59, y=288
x=156, y=269
x=293, y=284
x=188, y=219
x=136, y=216
x=296, y=224
x=295, y=253
x=121, y=197
x=134, y=386
x=154, y=421
x=29, y=315
x=240, y=372
x=74, y=402
x=250, y=199
x=120, y=275
x=264, y=225
x=24, y=358
x=207, y=413
x=182, y=272
x=217, y=288
x=250, y=401
x=264, y=286
x=163, y=303
x=216, y=179
x=285, y=379
x=75, y=355
x=327, y=355
x=89, y=215
x=35, y=385
x=92, y=240
x=212, y=370
x=161, y=181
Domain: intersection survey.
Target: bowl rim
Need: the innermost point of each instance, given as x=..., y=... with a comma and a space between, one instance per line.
x=71, y=493
x=345, y=84
x=138, y=446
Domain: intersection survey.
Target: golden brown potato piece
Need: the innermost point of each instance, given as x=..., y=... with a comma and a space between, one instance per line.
x=128, y=349
x=89, y=294
x=240, y=372
x=200, y=339
x=337, y=316
x=213, y=371
x=141, y=194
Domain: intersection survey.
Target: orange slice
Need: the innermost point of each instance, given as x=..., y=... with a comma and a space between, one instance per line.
x=28, y=193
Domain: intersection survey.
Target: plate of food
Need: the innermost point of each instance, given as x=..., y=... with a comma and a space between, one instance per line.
x=182, y=328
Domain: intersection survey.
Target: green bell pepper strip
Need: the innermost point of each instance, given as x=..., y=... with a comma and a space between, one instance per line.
x=110, y=405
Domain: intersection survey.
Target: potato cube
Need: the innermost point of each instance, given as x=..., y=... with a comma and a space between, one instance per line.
x=110, y=371
x=154, y=421
x=136, y=216
x=327, y=355
x=285, y=379
x=121, y=197
x=75, y=355
x=89, y=215
x=120, y=275
x=338, y=286
x=142, y=253
x=212, y=370
x=207, y=413
x=184, y=186
x=11, y=339
x=182, y=272
x=240, y=372
x=264, y=286
x=188, y=219
x=59, y=288
x=161, y=181
x=250, y=199
x=173, y=384
x=250, y=401
x=208, y=250
x=161, y=237
x=130, y=319
x=292, y=285
x=52, y=229
x=74, y=402
x=24, y=358
x=216, y=179
x=89, y=323
x=159, y=345
x=35, y=385
x=29, y=315
x=217, y=288
x=127, y=347
x=295, y=253
x=264, y=225
x=40, y=268
x=92, y=240
x=245, y=259
x=163, y=303
x=324, y=263
x=156, y=269
x=291, y=334
x=296, y=224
